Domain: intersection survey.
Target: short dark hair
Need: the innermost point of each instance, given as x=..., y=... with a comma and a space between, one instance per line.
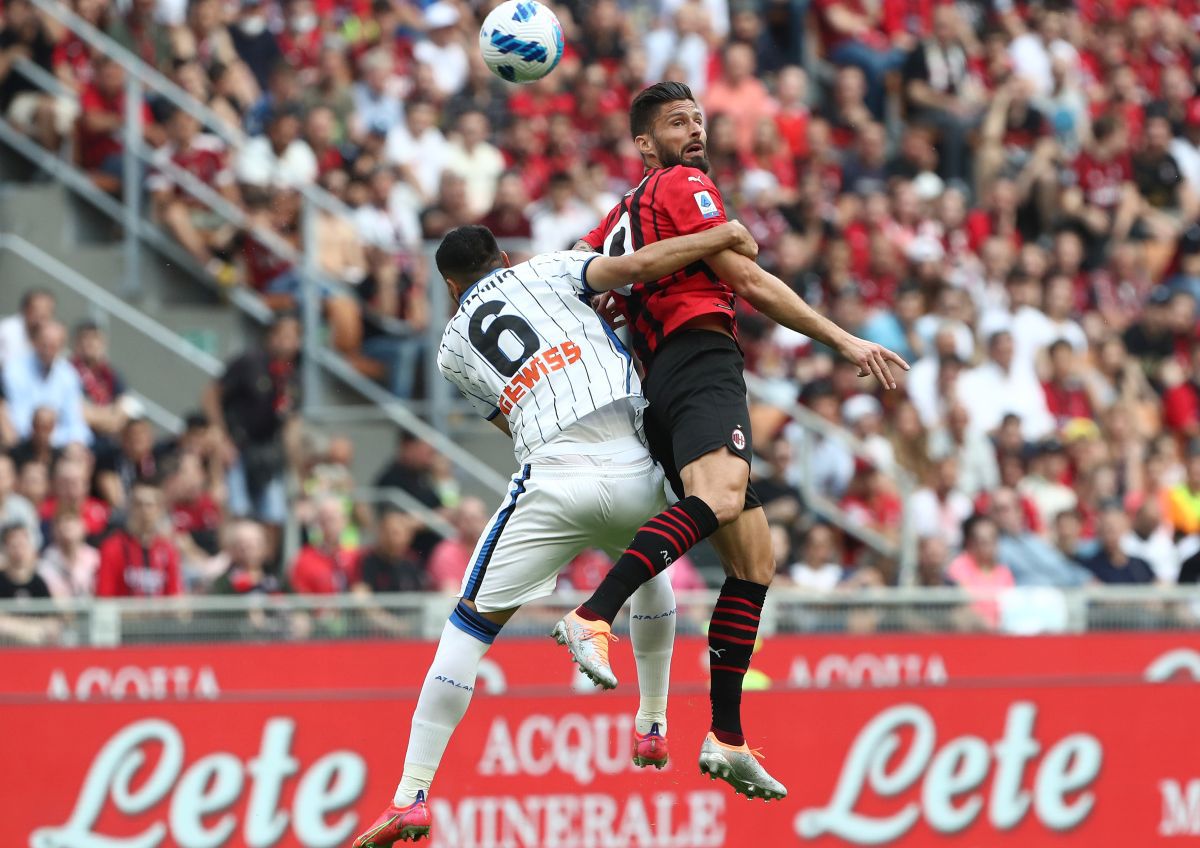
x=468, y=253
x=84, y=327
x=646, y=105
x=10, y=528
x=30, y=295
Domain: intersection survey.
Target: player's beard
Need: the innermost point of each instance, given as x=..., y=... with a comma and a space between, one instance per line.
x=670, y=159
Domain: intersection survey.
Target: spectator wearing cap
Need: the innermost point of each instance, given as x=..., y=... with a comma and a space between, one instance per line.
x=442, y=49
x=998, y=387
x=69, y=564
x=279, y=159
x=476, y=160
x=940, y=91
x=1032, y=560
x=139, y=559
x=979, y=570
x=45, y=378
x=977, y=468
x=1111, y=564
x=939, y=508
x=105, y=405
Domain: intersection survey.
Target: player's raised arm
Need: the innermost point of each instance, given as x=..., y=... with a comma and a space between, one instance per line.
x=771, y=296
x=663, y=258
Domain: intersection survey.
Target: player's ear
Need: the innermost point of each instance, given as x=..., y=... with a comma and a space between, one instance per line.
x=644, y=145
x=505, y=260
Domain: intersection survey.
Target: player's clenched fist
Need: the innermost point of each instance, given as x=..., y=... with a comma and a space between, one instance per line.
x=745, y=244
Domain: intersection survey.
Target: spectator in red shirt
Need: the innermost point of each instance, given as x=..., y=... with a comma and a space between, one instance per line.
x=101, y=124
x=69, y=493
x=851, y=35
x=103, y=387
x=449, y=560
x=195, y=514
x=1066, y=395
x=140, y=560
x=793, y=115
x=1104, y=199
x=203, y=232
x=327, y=567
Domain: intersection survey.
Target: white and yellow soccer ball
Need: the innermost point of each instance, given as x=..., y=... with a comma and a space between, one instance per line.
x=521, y=41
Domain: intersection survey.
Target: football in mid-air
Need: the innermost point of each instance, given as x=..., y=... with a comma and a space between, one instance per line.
x=521, y=41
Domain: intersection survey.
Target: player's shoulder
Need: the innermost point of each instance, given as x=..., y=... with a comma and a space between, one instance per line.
x=685, y=177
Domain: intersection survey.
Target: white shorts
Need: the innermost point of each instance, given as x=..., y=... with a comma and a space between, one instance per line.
x=551, y=514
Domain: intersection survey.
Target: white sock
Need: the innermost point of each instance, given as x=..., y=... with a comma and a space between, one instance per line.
x=444, y=698
x=652, y=632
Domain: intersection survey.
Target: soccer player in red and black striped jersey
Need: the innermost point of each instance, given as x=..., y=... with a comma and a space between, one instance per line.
x=698, y=423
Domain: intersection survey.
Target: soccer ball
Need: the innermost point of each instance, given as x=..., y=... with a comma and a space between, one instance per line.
x=521, y=41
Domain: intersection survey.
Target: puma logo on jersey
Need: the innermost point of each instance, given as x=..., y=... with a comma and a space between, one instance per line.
x=695, y=179
x=716, y=652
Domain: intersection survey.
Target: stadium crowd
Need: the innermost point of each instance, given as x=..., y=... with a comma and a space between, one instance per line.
x=1004, y=192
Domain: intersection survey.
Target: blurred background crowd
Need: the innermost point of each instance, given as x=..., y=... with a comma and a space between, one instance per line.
x=1004, y=192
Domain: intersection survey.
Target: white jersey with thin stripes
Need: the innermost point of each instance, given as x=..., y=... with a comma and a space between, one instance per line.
x=526, y=344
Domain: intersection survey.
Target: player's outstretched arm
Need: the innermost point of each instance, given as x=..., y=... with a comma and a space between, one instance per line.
x=772, y=297
x=663, y=258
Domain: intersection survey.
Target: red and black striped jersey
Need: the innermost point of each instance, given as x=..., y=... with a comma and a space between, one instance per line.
x=668, y=202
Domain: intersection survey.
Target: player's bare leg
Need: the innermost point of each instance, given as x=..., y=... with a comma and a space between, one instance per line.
x=443, y=702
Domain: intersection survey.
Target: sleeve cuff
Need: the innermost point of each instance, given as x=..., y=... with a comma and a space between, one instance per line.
x=587, y=290
x=494, y=413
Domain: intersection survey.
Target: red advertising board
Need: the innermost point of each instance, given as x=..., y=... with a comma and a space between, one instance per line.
x=296, y=745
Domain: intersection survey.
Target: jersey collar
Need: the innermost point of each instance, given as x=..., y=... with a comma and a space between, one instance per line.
x=473, y=285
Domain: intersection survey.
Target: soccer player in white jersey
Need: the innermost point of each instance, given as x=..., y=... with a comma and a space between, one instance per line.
x=529, y=353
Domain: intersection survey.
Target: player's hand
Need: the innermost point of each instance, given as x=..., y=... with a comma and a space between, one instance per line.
x=608, y=307
x=872, y=360
x=744, y=242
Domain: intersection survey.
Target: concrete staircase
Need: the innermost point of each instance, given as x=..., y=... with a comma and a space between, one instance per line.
x=71, y=230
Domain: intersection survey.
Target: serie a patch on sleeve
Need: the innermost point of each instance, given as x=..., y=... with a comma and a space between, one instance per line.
x=708, y=208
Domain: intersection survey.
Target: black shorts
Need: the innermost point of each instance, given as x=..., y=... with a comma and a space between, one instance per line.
x=697, y=396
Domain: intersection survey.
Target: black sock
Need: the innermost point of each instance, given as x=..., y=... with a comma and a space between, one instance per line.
x=660, y=541
x=731, y=635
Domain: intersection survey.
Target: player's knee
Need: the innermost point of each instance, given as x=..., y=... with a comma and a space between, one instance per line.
x=726, y=504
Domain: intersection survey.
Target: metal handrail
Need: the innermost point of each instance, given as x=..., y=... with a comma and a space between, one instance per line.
x=110, y=304
x=405, y=501
x=905, y=549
